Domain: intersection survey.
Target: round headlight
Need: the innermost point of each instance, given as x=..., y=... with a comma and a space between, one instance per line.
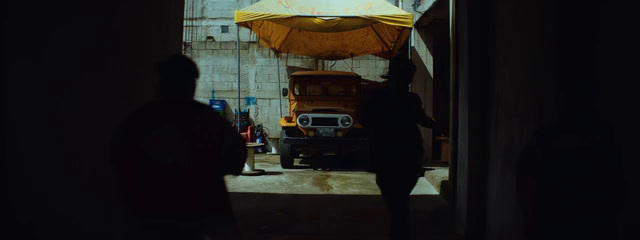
x=346, y=121
x=303, y=120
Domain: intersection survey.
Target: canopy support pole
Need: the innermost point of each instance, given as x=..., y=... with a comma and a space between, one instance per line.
x=410, y=54
x=239, y=102
x=279, y=87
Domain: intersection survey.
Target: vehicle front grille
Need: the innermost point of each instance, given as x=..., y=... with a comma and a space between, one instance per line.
x=324, y=122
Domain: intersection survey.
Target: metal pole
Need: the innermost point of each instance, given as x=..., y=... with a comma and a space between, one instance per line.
x=279, y=88
x=453, y=109
x=409, y=43
x=239, y=102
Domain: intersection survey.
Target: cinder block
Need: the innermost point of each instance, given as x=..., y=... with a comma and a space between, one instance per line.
x=381, y=64
x=269, y=87
x=215, y=55
x=229, y=13
x=205, y=78
x=243, y=85
x=228, y=45
x=233, y=68
x=209, y=11
x=275, y=102
x=262, y=52
x=222, y=86
x=198, y=45
x=267, y=70
x=212, y=45
x=255, y=45
x=244, y=45
x=244, y=77
x=220, y=70
x=262, y=78
x=367, y=64
x=283, y=70
x=219, y=5
x=204, y=85
x=266, y=111
x=265, y=123
x=266, y=94
x=218, y=78
x=352, y=64
x=265, y=61
x=263, y=102
x=361, y=70
x=274, y=78
x=230, y=78
x=204, y=53
x=205, y=70
x=226, y=37
x=230, y=94
x=276, y=117
x=203, y=93
x=307, y=63
x=374, y=71
x=295, y=62
x=224, y=61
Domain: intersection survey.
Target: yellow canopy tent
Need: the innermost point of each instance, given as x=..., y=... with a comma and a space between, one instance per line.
x=329, y=29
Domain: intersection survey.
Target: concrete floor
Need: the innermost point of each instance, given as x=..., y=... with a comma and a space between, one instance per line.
x=308, y=204
x=309, y=181
x=436, y=175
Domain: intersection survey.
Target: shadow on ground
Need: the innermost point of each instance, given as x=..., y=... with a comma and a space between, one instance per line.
x=300, y=216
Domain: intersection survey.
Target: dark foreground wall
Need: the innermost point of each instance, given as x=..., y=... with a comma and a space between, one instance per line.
x=72, y=70
x=559, y=69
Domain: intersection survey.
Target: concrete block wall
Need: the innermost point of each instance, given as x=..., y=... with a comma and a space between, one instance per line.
x=369, y=67
x=216, y=55
x=218, y=65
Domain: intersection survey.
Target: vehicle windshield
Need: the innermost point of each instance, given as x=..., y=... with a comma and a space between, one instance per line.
x=330, y=85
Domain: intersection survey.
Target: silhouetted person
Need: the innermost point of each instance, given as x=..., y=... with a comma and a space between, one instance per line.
x=392, y=115
x=172, y=155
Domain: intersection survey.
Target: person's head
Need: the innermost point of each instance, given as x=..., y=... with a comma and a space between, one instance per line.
x=177, y=77
x=401, y=71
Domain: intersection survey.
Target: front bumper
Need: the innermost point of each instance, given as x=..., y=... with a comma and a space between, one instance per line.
x=327, y=142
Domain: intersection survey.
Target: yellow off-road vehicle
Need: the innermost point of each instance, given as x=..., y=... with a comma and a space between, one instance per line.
x=323, y=119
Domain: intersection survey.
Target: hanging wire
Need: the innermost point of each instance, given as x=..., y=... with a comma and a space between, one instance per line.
x=331, y=67
x=345, y=63
x=196, y=19
x=279, y=86
x=193, y=22
x=185, y=32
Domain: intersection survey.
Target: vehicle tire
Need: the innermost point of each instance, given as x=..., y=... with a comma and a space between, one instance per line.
x=286, y=151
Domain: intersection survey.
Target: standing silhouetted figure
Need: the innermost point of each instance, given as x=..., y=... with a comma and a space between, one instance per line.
x=392, y=114
x=172, y=155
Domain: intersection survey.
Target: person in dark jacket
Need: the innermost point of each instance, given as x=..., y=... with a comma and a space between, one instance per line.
x=392, y=114
x=172, y=155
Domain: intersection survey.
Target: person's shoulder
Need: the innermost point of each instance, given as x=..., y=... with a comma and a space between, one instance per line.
x=203, y=108
x=200, y=106
x=146, y=110
x=414, y=97
x=209, y=113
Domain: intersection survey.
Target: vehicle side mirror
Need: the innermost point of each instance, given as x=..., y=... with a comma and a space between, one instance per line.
x=285, y=92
